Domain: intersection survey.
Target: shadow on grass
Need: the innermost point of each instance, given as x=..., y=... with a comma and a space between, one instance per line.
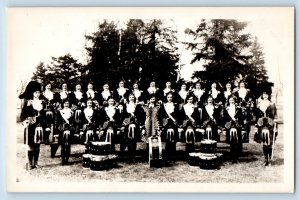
x=278, y=161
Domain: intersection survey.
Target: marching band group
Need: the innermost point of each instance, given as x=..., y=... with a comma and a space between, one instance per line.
x=127, y=116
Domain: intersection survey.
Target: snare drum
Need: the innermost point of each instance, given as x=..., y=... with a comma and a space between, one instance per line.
x=208, y=161
x=98, y=163
x=86, y=160
x=208, y=146
x=99, y=148
x=193, y=159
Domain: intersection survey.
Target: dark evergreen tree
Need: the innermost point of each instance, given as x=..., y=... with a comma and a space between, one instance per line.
x=223, y=47
x=103, y=53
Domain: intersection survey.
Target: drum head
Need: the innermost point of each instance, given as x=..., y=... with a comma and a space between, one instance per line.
x=208, y=142
x=100, y=143
x=99, y=158
x=208, y=156
x=87, y=155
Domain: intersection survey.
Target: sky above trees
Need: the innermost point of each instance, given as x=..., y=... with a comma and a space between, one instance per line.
x=35, y=36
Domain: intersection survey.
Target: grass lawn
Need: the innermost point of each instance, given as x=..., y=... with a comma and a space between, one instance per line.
x=250, y=168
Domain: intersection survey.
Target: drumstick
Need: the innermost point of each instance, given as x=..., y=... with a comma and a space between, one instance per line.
x=274, y=134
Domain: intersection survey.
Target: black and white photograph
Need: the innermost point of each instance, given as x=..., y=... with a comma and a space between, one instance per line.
x=141, y=99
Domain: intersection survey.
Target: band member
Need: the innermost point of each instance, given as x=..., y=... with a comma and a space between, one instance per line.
x=50, y=96
x=182, y=94
x=169, y=115
x=65, y=127
x=245, y=101
x=121, y=92
x=32, y=116
x=233, y=120
x=65, y=94
x=200, y=94
x=51, y=100
x=91, y=94
x=267, y=126
x=211, y=117
x=167, y=90
x=227, y=93
x=138, y=94
x=78, y=97
x=79, y=104
x=190, y=123
x=247, y=117
x=89, y=124
x=215, y=94
x=110, y=121
x=133, y=118
x=152, y=126
x=235, y=86
x=105, y=95
x=243, y=94
x=152, y=90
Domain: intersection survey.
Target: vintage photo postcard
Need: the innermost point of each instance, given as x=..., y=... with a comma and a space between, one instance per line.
x=142, y=99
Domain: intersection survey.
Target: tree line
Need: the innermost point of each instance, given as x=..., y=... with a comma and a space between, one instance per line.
x=147, y=50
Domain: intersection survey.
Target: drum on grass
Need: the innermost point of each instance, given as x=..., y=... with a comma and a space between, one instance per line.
x=193, y=159
x=208, y=146
x=100, y=148
x=98, y=162
x=208, y=161
x=86, y=158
